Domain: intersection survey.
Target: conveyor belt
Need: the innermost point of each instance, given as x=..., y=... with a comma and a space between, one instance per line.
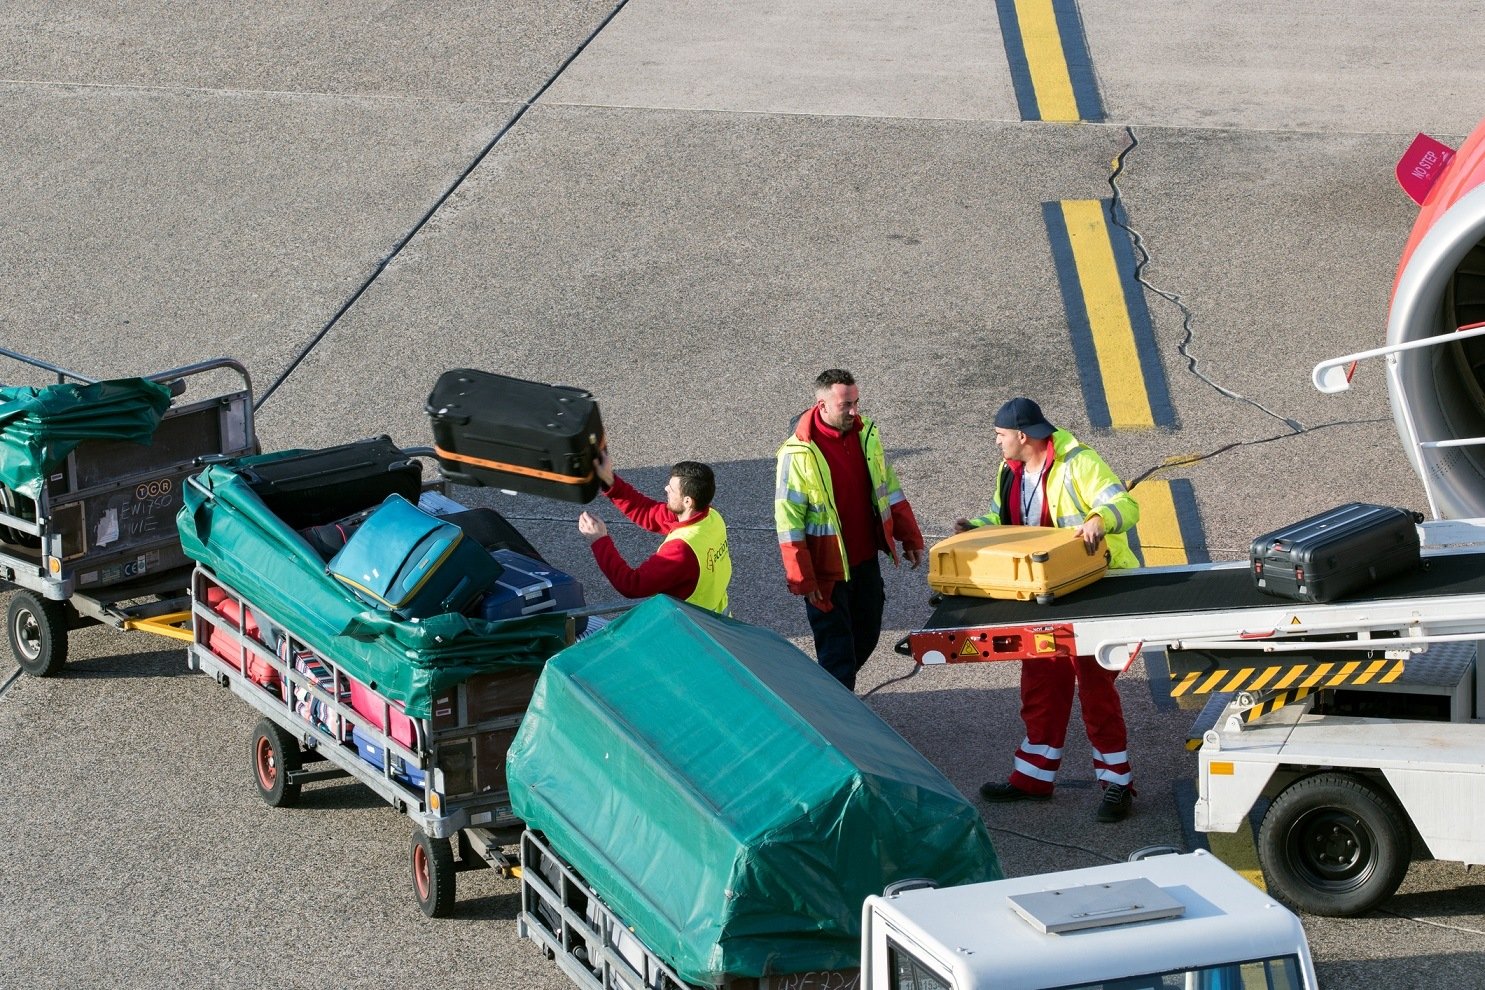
x=1198, y=589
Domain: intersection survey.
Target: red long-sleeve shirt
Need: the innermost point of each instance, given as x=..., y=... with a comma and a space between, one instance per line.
x=672, y=570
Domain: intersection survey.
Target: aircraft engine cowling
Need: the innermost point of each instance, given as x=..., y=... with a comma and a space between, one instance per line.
x=1440, y=289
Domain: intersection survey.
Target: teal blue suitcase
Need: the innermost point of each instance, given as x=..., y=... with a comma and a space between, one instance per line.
x=413, y=565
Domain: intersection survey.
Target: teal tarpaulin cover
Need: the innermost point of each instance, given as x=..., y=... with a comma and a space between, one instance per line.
x=39, y=427
x=727, y=798
x=225, y=526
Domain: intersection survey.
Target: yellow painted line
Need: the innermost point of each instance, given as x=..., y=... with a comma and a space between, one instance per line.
x=1046, y=61
x=1108, y=315
x=1394, y=673
x=1160, y=530
x=1239, y=851
x=1184, y=685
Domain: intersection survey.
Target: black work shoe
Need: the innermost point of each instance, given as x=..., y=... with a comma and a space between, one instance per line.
x=996, y=791
x=1115, y=803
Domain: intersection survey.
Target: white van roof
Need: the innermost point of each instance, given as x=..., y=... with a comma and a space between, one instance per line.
x=1202, y=913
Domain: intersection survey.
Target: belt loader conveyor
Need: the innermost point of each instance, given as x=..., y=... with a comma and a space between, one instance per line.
x=1347, y=783
x=1220, y=631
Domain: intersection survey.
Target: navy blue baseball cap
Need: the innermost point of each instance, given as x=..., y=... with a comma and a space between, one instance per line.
x=1024, y=416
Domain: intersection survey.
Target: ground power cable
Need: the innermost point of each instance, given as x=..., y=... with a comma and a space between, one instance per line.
x=437, y=205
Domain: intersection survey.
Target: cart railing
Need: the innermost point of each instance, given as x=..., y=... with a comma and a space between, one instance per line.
x=62, y=373
x=429, y=805
x=591, y=944
x=279, y=705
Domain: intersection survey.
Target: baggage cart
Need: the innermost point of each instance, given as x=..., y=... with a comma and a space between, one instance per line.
x=596, y=949
x=309, y=730
x=99, y=544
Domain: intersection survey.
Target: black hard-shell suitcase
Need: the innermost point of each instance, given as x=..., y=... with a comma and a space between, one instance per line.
x=321, y=486
x=1335, y=553
x=511, y=433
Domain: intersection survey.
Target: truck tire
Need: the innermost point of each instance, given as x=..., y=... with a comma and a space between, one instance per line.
x=274, y=755
x=1334, y=844
x=38, y=633
x=432, y=862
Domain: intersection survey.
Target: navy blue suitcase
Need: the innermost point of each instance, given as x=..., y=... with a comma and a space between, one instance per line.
x=414, y=565
x=529, y=587
x=370, y=752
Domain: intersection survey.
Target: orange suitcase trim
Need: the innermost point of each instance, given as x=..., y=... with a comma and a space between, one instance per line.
x=1022, y=563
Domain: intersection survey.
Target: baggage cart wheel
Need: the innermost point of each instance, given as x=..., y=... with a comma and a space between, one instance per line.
x=1334, y=844
x=38, y=633
x=433, y=874
x=274, y=755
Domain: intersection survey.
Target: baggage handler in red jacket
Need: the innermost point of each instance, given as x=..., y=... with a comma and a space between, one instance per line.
x=837, y=505
x=1048, y=478
x=693, y=562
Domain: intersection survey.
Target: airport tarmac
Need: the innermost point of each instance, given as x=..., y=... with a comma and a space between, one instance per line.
x=690, y=208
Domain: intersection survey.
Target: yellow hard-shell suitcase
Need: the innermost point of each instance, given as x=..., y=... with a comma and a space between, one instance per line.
x=1018, y=562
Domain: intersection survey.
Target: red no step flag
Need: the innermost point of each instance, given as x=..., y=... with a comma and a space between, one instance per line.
x=1421, y=165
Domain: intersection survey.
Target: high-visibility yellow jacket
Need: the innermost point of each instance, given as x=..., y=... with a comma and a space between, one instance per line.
x=1079, y=484
x=707, y=539
x=805, y=516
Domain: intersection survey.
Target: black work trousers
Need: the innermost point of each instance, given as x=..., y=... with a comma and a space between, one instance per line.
x=846, y=635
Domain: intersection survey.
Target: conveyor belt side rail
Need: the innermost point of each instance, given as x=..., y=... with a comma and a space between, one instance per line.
x=1115, y=641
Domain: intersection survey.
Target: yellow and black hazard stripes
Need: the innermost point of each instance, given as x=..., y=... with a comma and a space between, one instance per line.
x=1303, y=675
x=1113, y=341
x=1047, y=51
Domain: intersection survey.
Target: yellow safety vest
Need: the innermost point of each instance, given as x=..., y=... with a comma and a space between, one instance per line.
x=707, y=538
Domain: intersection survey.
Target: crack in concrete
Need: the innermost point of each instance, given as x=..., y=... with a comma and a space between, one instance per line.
x=1119, y=216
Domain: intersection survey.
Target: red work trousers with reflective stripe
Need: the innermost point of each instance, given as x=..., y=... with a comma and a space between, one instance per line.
x=1046, y=707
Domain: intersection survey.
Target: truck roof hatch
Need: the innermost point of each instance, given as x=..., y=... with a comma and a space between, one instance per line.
x=1096, y=905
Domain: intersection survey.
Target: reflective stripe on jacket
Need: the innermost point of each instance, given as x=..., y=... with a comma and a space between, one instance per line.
x=805, y=515
x=1078, y=485
x=707, y=539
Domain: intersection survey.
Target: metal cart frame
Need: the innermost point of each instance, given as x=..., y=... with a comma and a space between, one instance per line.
x=284, y=740
x=67, y=573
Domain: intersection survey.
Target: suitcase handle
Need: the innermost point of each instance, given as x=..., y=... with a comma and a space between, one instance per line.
x=902, y=648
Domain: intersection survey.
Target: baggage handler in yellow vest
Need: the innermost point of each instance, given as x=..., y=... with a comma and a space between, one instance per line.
x=1048, y=478
x=837, y=505
x=693, y=562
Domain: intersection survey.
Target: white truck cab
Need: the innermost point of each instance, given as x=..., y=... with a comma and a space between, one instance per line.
x=1176, y=921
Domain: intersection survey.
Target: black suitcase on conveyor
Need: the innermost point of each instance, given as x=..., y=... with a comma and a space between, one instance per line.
x=321, y=486
x=1332, y=554
x=493, y=430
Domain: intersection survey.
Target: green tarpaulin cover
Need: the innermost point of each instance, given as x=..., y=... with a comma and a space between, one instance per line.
x=225, y=526
x=727, y=798
x=39, y=427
